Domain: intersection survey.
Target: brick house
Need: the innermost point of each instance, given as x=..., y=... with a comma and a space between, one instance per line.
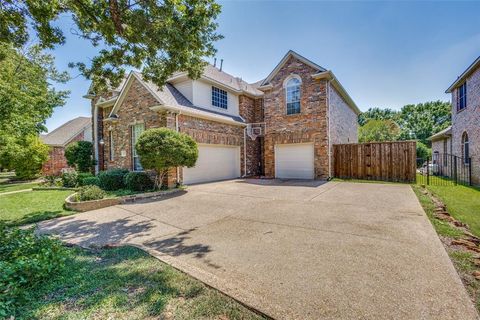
x=77, y=129
x=283, y=126
x=463, y=137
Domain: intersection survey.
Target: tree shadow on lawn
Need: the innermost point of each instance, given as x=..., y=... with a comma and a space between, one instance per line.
x=36, y=216
x=88, y=233
x=123, y=281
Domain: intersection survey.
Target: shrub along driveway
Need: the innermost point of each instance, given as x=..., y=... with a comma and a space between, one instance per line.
x=303, y=250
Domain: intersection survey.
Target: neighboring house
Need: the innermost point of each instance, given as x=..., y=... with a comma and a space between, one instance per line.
x=283, y=126
x=462, y=139
x=74, y=130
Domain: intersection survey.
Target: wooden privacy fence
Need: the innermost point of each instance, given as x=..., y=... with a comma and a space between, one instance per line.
x=385, y=161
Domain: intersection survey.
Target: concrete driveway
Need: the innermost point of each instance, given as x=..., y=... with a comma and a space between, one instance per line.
x=294, y=249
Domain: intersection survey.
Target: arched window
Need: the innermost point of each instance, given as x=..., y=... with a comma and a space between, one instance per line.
x=465, y=149
x=293, y=95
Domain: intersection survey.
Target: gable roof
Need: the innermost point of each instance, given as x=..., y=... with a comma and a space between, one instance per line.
x=170, y=98
x=62, y=135
x=289, y=54
x=445, y=133
x=464, y=75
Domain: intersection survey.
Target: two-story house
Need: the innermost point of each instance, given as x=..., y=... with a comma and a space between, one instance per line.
x=462, y=139
x=283, y=126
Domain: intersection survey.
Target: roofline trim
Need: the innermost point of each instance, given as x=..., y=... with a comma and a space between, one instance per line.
x=443, y=133
x=186, y=111
x=225, y=86
x=284, y=60
x=328, y=75
x=464, y=75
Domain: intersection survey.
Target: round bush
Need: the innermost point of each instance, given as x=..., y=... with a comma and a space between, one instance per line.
x=90, y=181
x=138, y=181
x=88, y=193
x=113, y=179
x=82, y=176
x=70, y=179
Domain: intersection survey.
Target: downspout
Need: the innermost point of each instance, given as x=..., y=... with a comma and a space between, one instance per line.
x=245, y=152
x=95, y=136
x=177, y=129
x=329, y=133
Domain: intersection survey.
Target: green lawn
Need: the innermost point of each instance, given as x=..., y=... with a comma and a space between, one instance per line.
x=7, y=187
x=442, y=227
x=31, y=206
x=126, y=283
x=463, y=203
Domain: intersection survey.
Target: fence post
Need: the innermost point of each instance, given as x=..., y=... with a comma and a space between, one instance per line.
x=428, y=171
x=455, y=170
x=470, y=171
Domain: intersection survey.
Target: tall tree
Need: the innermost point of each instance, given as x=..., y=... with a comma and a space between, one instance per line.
x=27, y=98
x=379, y=130
x=161, y=37
x=420, y=121
x=377, y=114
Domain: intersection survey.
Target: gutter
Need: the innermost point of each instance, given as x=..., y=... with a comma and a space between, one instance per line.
x=206, y=115
x=341, y=90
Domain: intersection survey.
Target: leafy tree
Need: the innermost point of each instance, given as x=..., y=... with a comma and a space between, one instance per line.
x=162, y=149
x=422, y=120
x=379, y=130
x=79, y=154
x=423, y=151
x=160, y=37
x=26, y=97
x=26, y=156
x=377, y=114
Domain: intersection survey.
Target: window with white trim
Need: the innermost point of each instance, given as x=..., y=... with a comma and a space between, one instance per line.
x=219, y=98
x=292, y=91
x=462, y=97
x=137, y=130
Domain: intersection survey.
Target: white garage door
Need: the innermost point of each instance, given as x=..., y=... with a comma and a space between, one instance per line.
x=215, y=162
x=294, y=161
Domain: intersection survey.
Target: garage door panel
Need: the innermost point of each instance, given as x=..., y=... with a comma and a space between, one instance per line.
x=294, y=161
x=214, y=162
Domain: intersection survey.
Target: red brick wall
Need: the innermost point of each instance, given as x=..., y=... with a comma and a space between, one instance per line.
x=136, y=109
x=310, y=125
x=56, y=159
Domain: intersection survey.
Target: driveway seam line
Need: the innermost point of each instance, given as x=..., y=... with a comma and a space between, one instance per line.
x=315, y=229
x=333, y=187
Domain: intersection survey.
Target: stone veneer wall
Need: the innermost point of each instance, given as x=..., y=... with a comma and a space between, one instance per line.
x=468, y=120
x=310, y=125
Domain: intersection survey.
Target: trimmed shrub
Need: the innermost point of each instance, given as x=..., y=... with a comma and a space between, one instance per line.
x=27, y=261
x=70, y=179
x=90, y=181
x=138, y=181
x=79, y=154
x=113, y=179
x=82, y=176
x=160, y=149
x=88, y=193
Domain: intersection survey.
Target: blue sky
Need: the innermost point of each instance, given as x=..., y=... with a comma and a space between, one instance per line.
x=386, y=54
